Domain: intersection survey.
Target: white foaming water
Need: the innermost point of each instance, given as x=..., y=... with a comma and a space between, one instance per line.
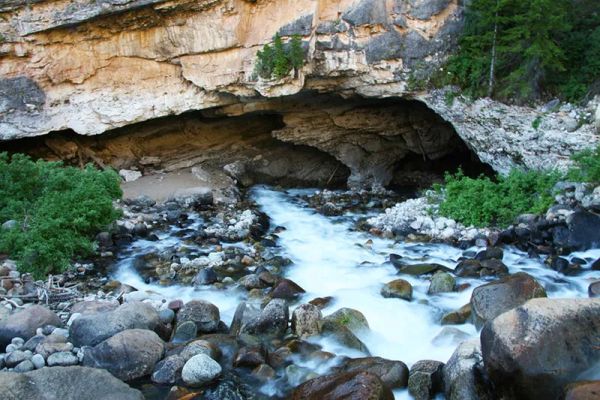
x=330, y=259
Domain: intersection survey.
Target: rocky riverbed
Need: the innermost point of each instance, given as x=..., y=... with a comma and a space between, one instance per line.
x=310, y=294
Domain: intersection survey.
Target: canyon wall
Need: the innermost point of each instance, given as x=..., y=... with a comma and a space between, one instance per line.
x=91, y=67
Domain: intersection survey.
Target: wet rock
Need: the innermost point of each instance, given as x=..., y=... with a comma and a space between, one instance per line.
x=464, y=375
x=89, y=330
x=185, y=331
x=24, y=323
x=168, y=371
x=394, y=374
x=251, y=281
x=399, y=289
x=206, y=276
x=128, y=355
x=426, y=379
x=200, y=347
x=166, y=316
x=441, y=282
x=286, y=289
x=347, y=386
x=350, y=318
x=263, y=373
x=65, y=383
x=457, y=317
x=199, y=370
x=250, y=356
x=493, y=267
x=450, y=335
x=306, y=320
x=421, y=269
x=584, y=390
x=343, y=335
x=584, y=230
x=490, y=253
x=62, y=359
x=204, y=314
x=321, y=302
x=492, y=299
x=594, y=289
x=271, y=320
x=561, y=344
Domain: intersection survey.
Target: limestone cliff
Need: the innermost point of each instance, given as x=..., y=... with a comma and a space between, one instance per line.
x=96, y=66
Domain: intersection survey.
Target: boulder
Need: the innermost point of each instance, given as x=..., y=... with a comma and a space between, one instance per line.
x=89, y=330
x=457, y=317
x=492, y=299
x=584, y=230
x=24, y=323
x=204, y=314
x=583, y=390
x=441, y=282
x=271, y=320
x=185, y=331
x=398, y=289
x=594, y=289
x=358, y=385
x=128, y=355
x=168, y=371
x=343, y=335
x=561, y=343
x=65, y=383
x=199, y=370
x=286, y=289
x=421, y=269
x=394, y=374
x=94, y=306
x=426, y=379
x=306, y=320
x=62, y=359
x=464, y=374
x=350, y=318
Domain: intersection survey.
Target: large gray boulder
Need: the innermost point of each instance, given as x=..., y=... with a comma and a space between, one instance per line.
x=464, y=374
x=271, y=320
x=533, y=351
x=127, y=355
x=91, y=329
x=204, y=314
x=492, y=299
x=65, y=383
x=24, y=323
x=199, y=370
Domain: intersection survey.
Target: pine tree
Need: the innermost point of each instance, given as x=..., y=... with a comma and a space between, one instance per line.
x=281, y=63
x=296, y=54
x=265, y=60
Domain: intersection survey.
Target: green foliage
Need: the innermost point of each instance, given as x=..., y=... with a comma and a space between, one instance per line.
x=587, y=166
x=484, y=202
x=58, y=210
x=536, y=122
x=522, y=49
x=277, y=61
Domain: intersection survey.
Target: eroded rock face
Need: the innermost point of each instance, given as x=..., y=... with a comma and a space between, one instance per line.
x=561, y=343
x=93, y=67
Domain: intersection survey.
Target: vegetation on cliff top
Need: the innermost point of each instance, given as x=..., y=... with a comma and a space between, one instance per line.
x=57, y=210
x=484, y=201
x=521, y=50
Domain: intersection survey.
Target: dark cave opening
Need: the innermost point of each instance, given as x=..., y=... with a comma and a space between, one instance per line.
x=304, y=140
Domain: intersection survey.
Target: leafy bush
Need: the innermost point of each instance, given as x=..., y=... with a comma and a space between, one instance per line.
x=277, y=61
x=587, y=166
x=58, y=209
x=484, y=202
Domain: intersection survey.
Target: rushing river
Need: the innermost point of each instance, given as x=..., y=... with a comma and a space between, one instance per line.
x=330, y=258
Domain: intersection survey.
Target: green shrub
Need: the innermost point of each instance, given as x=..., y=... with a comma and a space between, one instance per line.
x=484, y=202
x=587, y=166
x=277, y=61
x=58, y=210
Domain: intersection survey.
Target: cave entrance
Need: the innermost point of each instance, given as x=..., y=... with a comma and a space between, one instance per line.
x=304, y=140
